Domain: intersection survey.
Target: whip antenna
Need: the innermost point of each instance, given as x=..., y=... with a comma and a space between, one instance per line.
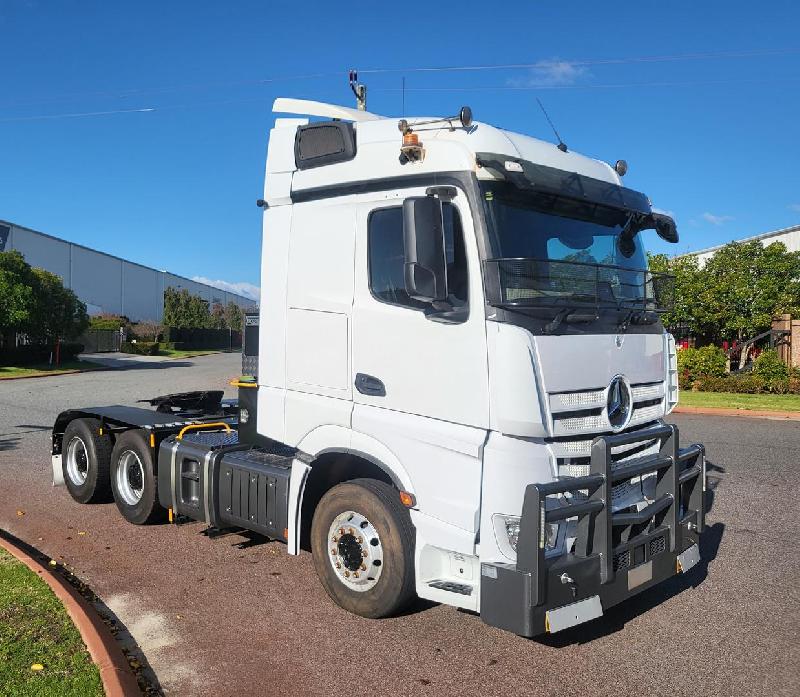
x=562, y=146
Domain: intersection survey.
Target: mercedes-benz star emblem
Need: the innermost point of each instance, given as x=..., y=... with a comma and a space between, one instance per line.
x=618, y=403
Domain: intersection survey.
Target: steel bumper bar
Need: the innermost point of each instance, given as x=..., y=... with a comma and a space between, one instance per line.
x=615, y=555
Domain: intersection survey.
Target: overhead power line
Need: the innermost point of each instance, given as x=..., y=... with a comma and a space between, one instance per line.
x=590, y=86
x=539, y=64
x=589, y=62
x=44, y=117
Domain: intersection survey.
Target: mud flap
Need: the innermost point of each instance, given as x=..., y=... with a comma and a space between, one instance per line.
x=58, y=472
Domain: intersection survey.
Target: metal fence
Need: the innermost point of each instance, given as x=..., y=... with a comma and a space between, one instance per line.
x=101, y=340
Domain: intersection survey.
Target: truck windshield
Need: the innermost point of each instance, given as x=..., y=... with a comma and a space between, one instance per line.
x=550, y=250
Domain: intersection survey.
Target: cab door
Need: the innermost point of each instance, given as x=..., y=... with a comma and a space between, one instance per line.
x=421, y=386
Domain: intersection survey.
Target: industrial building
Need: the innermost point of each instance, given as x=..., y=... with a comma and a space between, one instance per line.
x=106, y=283
x=790, y=236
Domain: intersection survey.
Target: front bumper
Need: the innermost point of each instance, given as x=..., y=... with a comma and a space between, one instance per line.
x=616, y=555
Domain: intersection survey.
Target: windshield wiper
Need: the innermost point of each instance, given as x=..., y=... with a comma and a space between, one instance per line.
x=636, y=316
x=570, y=315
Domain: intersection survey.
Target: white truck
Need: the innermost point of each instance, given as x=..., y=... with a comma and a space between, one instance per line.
x=460, y=382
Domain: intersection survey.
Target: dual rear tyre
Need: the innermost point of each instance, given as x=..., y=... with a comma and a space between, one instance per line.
x=96, y=469
x=133, y=479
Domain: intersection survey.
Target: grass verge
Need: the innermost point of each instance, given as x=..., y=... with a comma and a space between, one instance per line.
x=36, y=370
x=727, y=400
x=35, y=629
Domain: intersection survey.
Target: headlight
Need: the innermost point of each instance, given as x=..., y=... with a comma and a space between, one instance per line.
x=512, y=531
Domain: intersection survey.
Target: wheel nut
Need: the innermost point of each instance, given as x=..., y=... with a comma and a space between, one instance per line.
x=341, y=531
x=351, y=531
x=359, y=539
x=355, y=574
x=364, y=553
x=347, y=574
x=338, y=565
x=333, y=552
x=363, y=567
x=334, y=539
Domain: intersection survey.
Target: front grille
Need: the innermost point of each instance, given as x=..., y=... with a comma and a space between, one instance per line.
x=574, y=413
x=622, y=560
x=657, y=545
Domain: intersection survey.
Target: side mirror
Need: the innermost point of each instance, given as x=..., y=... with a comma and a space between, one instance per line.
x=425, y=264
x=665, y=227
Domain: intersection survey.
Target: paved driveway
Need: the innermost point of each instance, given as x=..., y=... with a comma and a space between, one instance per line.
x=215, y=619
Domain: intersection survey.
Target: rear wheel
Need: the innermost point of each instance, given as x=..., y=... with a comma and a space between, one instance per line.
x=362, y=540
x=133, y=479
x=85, y=461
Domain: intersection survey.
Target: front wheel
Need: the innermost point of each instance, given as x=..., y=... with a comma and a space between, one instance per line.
x=133, y=479
x=362, y=540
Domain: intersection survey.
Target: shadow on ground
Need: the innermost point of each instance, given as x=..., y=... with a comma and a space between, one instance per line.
x=144, y=365
x=8, y=442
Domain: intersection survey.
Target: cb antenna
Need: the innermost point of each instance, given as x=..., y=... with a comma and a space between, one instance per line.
x=562, y=146
x=359, y=90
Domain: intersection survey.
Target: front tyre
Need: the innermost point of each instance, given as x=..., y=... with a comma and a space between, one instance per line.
x=133, y=479
x=85, y=461
x=362, y=540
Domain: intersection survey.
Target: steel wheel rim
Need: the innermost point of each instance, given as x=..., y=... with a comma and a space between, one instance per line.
x=77, y=461
x=130, y=477
x=355, y=551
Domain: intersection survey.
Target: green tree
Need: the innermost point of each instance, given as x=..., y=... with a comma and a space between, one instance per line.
x=736, y=293
x=58, y=312
x=35, y=302
x=688, y=312
x=234, y=317
x=218, y=316
x=185, y=311
x=17, y=282
x=749, y=284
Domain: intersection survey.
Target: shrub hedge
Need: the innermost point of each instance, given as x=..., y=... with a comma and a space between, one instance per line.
x=747, y=384
x=693, y=364
x=770, y=367
x=39, y=353
x=140, y=348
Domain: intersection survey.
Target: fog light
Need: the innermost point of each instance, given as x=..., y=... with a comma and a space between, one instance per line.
x=244, y=416
x=512, y=531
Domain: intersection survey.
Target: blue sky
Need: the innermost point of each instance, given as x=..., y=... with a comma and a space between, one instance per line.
x=709, y=128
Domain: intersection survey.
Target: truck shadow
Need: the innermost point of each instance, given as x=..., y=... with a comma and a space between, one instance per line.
x=617, y=617
x=150, y=365
x=8, y=442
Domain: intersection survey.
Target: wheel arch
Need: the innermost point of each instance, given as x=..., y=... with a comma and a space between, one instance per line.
x=332, y=463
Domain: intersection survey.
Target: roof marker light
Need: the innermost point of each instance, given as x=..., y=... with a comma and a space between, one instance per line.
x=621, y=167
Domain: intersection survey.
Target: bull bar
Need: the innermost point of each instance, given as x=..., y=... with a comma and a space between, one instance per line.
x=615, y=555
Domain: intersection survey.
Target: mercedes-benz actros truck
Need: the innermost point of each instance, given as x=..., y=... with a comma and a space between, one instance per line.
x=459, y=387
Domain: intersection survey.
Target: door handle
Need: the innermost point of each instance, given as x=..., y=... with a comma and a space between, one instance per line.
x=370, y=385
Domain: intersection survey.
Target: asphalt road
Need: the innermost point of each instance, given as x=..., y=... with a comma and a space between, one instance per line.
x=214, y=619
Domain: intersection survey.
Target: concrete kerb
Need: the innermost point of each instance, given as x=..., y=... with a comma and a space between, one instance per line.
x=115, y=672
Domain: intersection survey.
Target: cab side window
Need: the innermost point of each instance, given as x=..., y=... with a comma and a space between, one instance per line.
x=385, y=251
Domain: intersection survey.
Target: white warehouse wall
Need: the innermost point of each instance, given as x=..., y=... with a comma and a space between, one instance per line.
x=104, y=282
x=790, y=236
